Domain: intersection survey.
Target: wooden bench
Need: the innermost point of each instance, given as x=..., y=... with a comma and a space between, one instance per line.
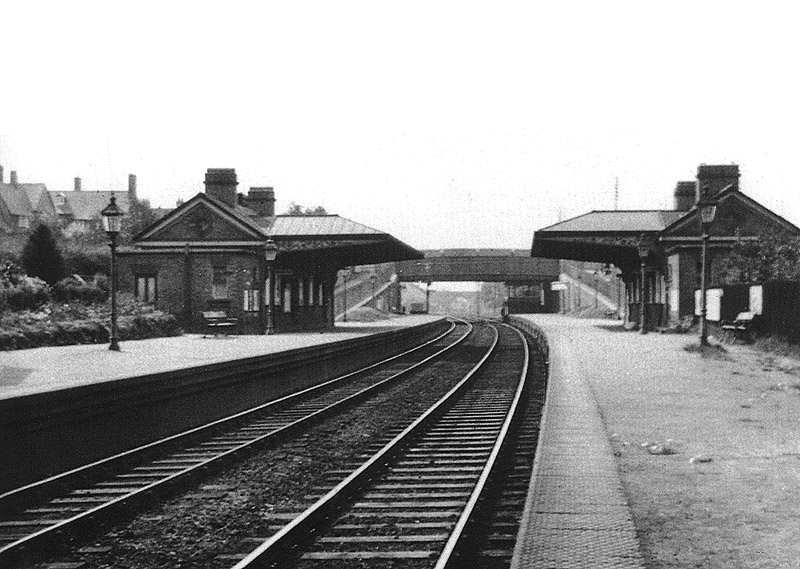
x=739, y=328
x=217, y=320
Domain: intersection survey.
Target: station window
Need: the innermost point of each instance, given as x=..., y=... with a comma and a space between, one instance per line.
x=301, y=291
x=311, y=291
x=287, y=296
x=145, y=288
x=219, y=283
x=276, y=294
x=251, y=297
x=320, y=296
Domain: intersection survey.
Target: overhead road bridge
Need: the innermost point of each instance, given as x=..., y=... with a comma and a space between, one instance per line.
x=527, y=278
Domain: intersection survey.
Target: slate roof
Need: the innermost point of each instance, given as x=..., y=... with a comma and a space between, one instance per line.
x=295, y=233
x=35, y=193
x=318, y=225
x=617, y=221
x=84, y=205
x=298, y=225
x=16, y=199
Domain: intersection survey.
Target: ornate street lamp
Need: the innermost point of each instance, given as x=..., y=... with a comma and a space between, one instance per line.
x=644, y=250
x=707, y=207
x=270, y=254
x=112, y=224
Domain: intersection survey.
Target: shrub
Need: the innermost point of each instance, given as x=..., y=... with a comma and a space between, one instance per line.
x=72, y=289
x=11, y=274
x=41, y=257
x=87, y=260
x=31, y=293
x=155, y=325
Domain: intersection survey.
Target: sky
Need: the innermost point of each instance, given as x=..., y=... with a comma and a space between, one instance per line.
x=446, y=124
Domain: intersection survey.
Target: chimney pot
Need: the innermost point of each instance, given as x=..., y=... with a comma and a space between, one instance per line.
x=2, y=179
x=77, y=184
x=685, y=193
x=717, y=177
x=13, y=178
x=262, y=200
x=132, y=187
x=221, y=185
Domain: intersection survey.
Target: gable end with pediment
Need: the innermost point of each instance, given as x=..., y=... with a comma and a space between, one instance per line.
x=200, y=221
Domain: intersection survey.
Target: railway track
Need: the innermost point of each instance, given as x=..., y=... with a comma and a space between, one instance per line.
x=412, y=502
x=36, y=520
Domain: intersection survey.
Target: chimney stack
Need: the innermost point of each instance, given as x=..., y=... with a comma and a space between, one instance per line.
x=717, y=177
x=13, y=180
x=132, y=187
x=685, y=193
x=262, y=201
x=221, y=185
x=77, y=184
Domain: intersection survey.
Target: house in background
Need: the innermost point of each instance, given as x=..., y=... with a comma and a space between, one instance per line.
x=672, y=268
x=79, y=210
x=209, y=255
x=22, y=205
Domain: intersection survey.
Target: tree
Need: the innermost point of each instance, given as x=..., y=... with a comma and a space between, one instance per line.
x=297, y=209
x=140, y=215
x=771, y=257
x=41, y=256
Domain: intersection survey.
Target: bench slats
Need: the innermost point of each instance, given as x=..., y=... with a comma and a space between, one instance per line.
x=219, y=319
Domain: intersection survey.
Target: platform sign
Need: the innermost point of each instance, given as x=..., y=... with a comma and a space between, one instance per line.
x=558, y=285
x=756, y=299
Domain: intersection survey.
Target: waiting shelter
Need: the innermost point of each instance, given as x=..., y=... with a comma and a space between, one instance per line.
x=212, y=253
x=659, y=251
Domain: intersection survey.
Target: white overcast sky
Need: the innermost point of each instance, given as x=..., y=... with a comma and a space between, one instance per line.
x=447, y=124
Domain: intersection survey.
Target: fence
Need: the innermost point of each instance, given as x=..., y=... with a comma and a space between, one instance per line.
x=776, y=303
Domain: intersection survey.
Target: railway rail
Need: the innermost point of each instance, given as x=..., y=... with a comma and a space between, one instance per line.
x=412, y=502
x=36, y=520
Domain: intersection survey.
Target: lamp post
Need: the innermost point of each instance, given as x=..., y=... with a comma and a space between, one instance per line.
x=372, y=280
x=346, y=270
x=270, y=254
x=644, y=250
x=112, y=224
x=708, y=209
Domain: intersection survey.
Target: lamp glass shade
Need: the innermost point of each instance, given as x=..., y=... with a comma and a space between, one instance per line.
x=112, y=217
x=270, y=250
x=707, y=212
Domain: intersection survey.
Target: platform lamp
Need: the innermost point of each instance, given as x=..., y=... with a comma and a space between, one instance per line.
x=112, y=224
x=270, y=254
x=707, y=207
x=644, y=250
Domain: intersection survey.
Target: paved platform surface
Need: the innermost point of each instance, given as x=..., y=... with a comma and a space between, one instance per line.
x=23, y=372
x=576, y=514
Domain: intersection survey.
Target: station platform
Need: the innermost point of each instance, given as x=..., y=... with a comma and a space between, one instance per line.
x=576, y=514
x=26, y=372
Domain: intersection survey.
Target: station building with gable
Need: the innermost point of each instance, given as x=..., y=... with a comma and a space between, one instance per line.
x=672, y=266
x=209, y=254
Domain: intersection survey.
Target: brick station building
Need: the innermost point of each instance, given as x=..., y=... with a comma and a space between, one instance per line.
x=673, y=265
x=209, y=255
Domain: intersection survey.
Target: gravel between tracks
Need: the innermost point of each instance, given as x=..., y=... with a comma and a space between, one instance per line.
x=192, y=530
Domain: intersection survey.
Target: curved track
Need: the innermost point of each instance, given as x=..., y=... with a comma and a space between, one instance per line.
x=35, y=520
x=409, y=504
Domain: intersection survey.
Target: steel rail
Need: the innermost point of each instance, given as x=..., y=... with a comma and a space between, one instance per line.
x=46, y=539
x=457, y=535
x=276, y=548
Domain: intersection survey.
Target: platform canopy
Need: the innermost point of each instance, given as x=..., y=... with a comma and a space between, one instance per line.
x=204, y=224
x=478, y=265
x=602, y=236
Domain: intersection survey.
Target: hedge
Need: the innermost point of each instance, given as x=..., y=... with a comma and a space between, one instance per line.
x=88, y=331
